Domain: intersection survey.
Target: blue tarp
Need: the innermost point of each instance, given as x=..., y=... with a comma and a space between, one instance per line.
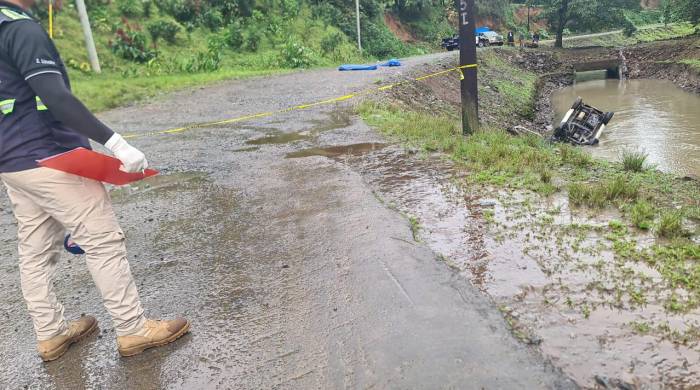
x=344, y=68
x=482, y=30
x=392, y=62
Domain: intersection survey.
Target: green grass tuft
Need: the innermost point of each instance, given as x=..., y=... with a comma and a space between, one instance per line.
x=634, y=161
x=599, y=195
x=642, y=214
x=670, y=224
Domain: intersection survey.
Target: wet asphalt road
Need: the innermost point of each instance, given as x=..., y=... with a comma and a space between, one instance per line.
x=293, y=273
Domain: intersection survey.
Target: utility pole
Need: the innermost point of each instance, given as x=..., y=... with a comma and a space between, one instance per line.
x=359, y=38
x=87, y=31
x=467, y=67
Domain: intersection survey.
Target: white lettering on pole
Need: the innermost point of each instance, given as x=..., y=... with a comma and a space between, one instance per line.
x=463, y=12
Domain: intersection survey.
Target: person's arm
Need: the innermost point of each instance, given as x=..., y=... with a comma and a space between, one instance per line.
x=31, y=51
x=67, y=109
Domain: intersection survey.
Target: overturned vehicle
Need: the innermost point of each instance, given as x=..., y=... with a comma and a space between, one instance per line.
x=582, y=124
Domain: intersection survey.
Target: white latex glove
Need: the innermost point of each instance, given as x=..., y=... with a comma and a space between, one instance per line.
x=132, y=159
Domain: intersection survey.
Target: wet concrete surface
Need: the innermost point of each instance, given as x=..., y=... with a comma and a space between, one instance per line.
x=293, y=271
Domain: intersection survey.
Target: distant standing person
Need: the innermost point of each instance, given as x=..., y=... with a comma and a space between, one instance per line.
x=536, y=38
x=40, y=118
x=511, y=38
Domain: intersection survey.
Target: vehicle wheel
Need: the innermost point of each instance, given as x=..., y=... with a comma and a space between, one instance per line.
x=487, y=44
x=608, y=117
x=577, y=103
x=481, y=44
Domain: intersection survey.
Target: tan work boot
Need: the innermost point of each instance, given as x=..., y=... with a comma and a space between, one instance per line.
x=155, y=333
x=53, y=349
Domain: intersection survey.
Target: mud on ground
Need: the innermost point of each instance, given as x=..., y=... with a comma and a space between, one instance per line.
x=551, y=267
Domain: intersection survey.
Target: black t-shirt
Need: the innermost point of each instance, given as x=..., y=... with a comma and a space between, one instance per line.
x=28, y=132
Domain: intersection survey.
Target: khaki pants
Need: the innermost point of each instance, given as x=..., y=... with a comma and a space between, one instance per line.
x=47, y=204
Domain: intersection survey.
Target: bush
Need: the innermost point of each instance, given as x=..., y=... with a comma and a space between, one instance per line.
x=208, y=61
x=163, y=28
x=296, y=55
x=130, y=8
x=382, y=43
x=634, y=161
x=670, y=225
x=212, y=18
x=147, y=8
x=184, y=11
x=252, y=38
x=130, y=44
x=628, y=28
x=233, y=36
x=331, y=42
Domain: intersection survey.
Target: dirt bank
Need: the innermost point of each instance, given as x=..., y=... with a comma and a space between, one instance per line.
x=665, y=60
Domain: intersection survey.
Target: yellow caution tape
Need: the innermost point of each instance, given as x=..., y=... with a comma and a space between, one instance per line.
x=300, y=107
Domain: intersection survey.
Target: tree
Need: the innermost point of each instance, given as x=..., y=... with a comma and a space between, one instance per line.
x=585, y=15
x=688, y=10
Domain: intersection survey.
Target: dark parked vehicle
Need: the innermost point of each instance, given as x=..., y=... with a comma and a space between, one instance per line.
x=452, y=43
x=582, y=124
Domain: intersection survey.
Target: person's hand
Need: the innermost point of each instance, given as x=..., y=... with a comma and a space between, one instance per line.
x=133, y=160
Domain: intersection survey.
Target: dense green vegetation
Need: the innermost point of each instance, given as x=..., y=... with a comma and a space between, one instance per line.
x=597, y=15
x=148, y=47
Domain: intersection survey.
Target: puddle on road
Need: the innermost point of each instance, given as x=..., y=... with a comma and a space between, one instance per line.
x=337, y=119
x=244, y=150
x=162, y=182
x=551, y=270
x=283, y=138
x=337, y=151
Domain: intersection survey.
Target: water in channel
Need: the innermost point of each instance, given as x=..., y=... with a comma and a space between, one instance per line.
x=650, y=115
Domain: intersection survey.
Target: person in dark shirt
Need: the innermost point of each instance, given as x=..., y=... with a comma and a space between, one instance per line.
x=511, y=38
x=40, y=118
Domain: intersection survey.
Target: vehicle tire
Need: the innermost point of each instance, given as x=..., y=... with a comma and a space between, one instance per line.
x=481, y=44
x=577, y=103
x=608, y=117
x=487, y=44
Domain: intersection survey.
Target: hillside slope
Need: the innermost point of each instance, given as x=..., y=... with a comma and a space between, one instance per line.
x=146, y=47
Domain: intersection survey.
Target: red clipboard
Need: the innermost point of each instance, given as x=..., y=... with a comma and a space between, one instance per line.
x=93, y=165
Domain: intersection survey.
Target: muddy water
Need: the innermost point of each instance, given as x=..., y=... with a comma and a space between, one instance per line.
x=650, y=115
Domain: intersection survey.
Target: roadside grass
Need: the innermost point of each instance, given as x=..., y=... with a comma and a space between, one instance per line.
x=673, y=30
x=517, y=87
x=646, y=199
x=644, y=34
x=693, y=63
